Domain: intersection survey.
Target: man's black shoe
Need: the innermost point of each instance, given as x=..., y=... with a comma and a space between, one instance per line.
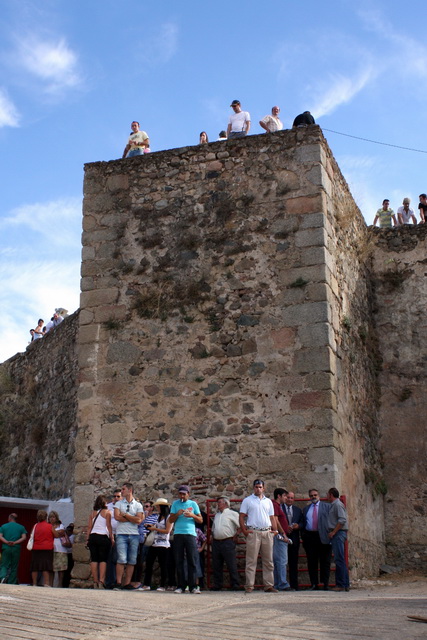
x=313, y=587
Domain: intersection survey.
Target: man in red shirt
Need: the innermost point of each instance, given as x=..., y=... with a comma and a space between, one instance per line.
x=280, y=542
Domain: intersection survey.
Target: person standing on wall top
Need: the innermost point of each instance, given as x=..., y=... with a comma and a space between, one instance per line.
x=258, y=525
x=185, y=513
x=138, y=142
x=12, y=535
x=423, y=207
x=239, y=122
x=385, y=215
x=303, y=120
x=405, y=214
x=338, y=527
x=272, y=122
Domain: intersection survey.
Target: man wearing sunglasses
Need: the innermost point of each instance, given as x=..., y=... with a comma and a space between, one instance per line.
x=129, y=514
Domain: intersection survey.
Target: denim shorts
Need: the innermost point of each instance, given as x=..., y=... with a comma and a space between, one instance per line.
x=127, y=548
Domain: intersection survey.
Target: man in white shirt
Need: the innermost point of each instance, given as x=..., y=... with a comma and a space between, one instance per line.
x=138, y=142
x=405, y=214
x=258, y=524
x=239, y=122
x=224, y=531
x=129, y=514
x=272, y=123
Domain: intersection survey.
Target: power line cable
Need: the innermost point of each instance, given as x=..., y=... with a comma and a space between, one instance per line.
x=385, y=144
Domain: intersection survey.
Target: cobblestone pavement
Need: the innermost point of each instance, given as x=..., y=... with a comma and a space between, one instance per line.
x=30, y=613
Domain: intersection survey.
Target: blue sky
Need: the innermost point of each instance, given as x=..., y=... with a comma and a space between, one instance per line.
x=75, y=73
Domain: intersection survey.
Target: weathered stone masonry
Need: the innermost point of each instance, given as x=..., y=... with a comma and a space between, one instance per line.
x=237, y=319
x=212, y=345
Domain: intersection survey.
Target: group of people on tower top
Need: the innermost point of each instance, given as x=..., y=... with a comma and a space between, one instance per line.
x=405, y=215
x=239, y=124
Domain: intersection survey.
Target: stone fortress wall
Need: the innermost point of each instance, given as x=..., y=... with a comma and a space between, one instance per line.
x=235, y=322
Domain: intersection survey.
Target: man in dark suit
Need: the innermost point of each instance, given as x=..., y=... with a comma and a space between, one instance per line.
x=315, y=538
x=295, y=520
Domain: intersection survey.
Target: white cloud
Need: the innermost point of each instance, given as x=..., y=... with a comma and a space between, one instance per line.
x=338, y=90
x=57, y=221
x=39, y=267
x=51, y=60
x=160, y=47
x=9, y=116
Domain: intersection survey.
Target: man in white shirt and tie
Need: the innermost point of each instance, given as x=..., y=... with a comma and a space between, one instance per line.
x=315, y=538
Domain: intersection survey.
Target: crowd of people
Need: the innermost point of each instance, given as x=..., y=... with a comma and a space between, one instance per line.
x=239, y=124
x=124, y=536
x=127, y=540
x=387, y=218
x=41, y=329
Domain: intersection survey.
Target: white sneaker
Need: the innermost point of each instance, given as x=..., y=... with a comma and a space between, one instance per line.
x=178, y=590
x=187, y=589
x=160, y=589
x=196, y=590
x=144, y=588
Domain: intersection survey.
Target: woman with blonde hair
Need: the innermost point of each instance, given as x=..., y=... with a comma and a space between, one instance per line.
x=99, y=538
x=60, y=545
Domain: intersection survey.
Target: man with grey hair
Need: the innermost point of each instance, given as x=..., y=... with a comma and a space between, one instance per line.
x=272, y=122
x=224, y=531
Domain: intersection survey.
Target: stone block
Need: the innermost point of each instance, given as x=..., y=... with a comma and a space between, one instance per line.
x=316, y=335
x=87, y=355
x=290, y=423
x=319, y=177
x=98, y=297
x=85, y=317
x=303, y=204
x=89, y=333
x=316, y=273
x=88, y=253
x=310, y=438
x=313, y=220
x=313, y=400
x=117, y=182
x=122, y=351
x=278, y=463
x=84, y=496
x=317, y=291
x=115, y=433
x=81, y=571
x=308, y=313
x=108, y=312
x=310, y=153
x=83, y=472
x=311, y=360
x=283, y=338
x=80, y=553
x=311, y=237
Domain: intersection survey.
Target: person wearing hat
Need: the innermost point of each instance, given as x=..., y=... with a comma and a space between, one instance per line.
x=160, y=548
x=184, y=514
x=405, y=214
x=239, y=122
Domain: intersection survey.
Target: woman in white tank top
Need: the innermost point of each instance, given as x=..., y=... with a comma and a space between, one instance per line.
x=100, y=538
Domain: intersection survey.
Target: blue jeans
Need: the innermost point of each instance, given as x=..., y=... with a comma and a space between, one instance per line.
x=127, y=548
x=135, y=152
x=280, y=561
x=185, y=550
x=341, y=571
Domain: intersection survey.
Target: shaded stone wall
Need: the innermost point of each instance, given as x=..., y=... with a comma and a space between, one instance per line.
x=38, y=406
x=213, y=345
x=400, y=270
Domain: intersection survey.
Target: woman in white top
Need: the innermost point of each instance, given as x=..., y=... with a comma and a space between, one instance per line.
x=99, y=540
x=160, y=548
x=60, y=559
